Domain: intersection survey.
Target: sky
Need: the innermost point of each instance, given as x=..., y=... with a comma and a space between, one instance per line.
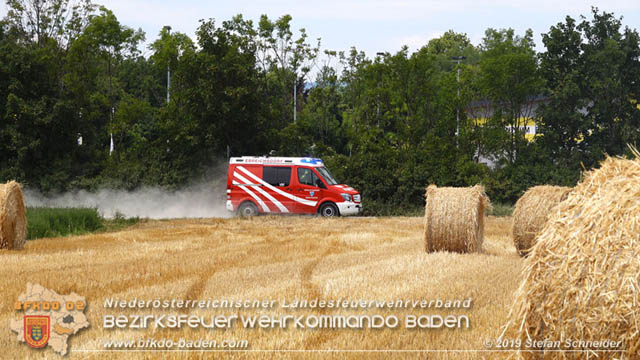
x=372, y=26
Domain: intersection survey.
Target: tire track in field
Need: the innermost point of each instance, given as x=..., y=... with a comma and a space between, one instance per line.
x=170, y=272
x=157, y=279
x=197, y=287
x=319, y=337
x=199, y=284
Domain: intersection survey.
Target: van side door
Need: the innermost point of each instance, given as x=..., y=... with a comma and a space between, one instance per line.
x=309, y=187
x=279, y=183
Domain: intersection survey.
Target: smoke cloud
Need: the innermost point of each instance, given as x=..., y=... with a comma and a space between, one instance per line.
x=197, y=201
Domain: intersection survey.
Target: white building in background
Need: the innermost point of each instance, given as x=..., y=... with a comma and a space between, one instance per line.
x=480, y=111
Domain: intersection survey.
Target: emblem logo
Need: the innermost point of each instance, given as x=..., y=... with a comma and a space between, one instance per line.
x=36, y=330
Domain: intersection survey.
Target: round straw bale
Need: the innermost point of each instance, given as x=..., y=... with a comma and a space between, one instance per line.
x=454, y=218
x=582, y=276
x=531, y=213
x=13, y=221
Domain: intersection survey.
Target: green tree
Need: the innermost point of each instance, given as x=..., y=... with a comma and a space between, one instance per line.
x=42, y=20
x=215, y=104
x=450, y=45
x=611, y=71
x=562, y=121
x=39, y=124
x=322, y=114
x=509, y=78
x=287, y=60
x=167, y=51
x=93, y=78
x=590, y=71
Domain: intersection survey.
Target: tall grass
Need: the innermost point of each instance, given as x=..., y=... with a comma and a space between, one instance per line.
x=51, y=222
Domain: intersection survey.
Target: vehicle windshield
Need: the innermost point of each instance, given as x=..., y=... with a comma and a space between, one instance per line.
x=326, y=175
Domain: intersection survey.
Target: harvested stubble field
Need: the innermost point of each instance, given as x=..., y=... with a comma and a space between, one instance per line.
x=272, y=258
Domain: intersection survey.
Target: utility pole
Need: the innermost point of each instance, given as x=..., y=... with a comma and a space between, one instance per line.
x=168, y=69
x=458, y=59
x=378, y=95
x=295, y=96
x=458, y=97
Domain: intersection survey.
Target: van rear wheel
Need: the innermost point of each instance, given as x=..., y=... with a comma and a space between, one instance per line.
x=247, y=209
x=328, y=210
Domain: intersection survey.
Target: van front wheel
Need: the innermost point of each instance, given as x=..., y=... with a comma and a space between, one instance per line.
x=328, y=210
x=247, y=209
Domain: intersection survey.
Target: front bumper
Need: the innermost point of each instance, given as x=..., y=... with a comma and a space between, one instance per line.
x=229, y=205
x=349, y=208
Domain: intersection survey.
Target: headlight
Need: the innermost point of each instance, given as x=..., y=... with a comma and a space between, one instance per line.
x=346, y=197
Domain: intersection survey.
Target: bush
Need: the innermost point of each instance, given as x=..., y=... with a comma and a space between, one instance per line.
x=502, y=209
x=119, y=222
x=380, y=208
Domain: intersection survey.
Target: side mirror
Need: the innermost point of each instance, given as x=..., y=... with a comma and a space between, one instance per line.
x=320, y=184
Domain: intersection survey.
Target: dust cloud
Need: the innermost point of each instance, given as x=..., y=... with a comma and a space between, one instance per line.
x=196, y=201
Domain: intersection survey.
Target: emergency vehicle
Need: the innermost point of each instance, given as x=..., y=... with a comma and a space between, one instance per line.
x=287, y=185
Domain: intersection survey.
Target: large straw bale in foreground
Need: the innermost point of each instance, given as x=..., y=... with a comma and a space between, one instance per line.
x=532, y=212
x=582, y=277
x=454, y=218
x=13, y=221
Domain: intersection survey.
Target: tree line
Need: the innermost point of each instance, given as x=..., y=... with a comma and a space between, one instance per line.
x=82, y=108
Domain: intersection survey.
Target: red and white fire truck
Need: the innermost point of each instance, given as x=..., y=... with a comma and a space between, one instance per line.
x=287, y=185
